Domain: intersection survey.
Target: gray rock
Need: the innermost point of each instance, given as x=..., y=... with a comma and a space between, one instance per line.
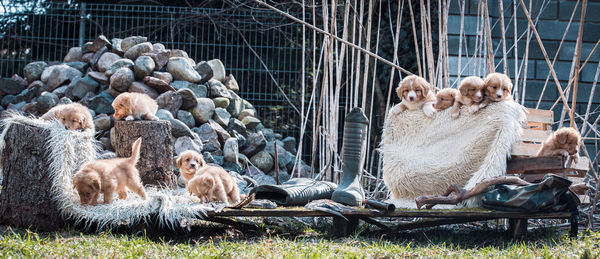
x=255, y=143
x=250, y=122
x=87, y=57
x=129, y=42
x=61, y=91
x=134, y=52
x=236, y=105
x=269, y=134
x=160, y=57
x=64, y=100
x=203, y=111
x=27, y=95
x=198, y=89
x=157, y=84
x=119, y=63
x=179, y=53
x=33, y=71
x=139, y=87
x=186, y=143
x=181, y=69
x=189, y=99
x=218, y=159
x=96, y=57
x=86, y=47
x=74, y=54
x=98, y=77
x=8, y=99
x=144, y=66
x=186, y=117
x=265, y=179
x=248, y=105
x=165, y=76
x=60, y=75
x=232, y=167
x=240, y=138
x=204, y=70
x=46, y=101
x=209, y=137
x=237, y=126
x=121, y=79
x=169, y=101
x=116, y=46
x=102, y=122
x=211, y=69
x=106, y=60
x=178, y=129
x=10, y=86
x=98, y=43
x=208, y=158
x=101, y=103
x=289, y=144
x=222, y=117
x=270, y=147
x=221, y=132
x=217, y=89
x=230, y=150
x=245, y=113
x=81, y=66
x=263, y=161
x=241, y=183
x=158, y=46
x=39, y=85
x=286, y=160
x=231, y=83
x=17, y=107
x=83, y=86
x=114, y=93
x=221, y=102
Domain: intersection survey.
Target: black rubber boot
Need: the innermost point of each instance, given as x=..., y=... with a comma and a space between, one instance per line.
x=349, y=190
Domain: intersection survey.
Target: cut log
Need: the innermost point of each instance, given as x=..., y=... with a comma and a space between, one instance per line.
x=155, y=165
x=26, y=199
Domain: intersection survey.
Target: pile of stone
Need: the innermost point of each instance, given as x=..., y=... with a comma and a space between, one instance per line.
x=199, y=99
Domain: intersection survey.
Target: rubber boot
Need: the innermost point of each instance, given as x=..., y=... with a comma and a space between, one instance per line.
x=349, y=191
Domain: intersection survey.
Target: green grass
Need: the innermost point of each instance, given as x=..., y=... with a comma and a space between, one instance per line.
x=230, y=243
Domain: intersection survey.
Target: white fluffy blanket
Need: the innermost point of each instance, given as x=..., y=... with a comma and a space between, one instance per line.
x=423, y=156
x=69, y=150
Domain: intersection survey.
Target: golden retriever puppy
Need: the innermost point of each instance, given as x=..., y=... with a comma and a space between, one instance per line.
x=563, y=142
x=109, y=176
x=189, y=162
x=73, y=115
x=471, y=93
x=445, y=98
x=135, y=106
x=415, y=93
x=498, y=87
x=213, y=183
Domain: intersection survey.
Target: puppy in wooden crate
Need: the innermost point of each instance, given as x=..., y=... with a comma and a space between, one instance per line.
x=109, y=176
x=563, y=142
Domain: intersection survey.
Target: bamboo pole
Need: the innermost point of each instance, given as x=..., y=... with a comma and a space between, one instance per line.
x=302, y=96
x=537, y=36
x=501, y=18
x=460, y=39
x=414, y=30
x=395, y=58
x=526, y=62
x=445, y=41
x=577, y=55
x=488, y=34
x=367, y=59
x=516, y=52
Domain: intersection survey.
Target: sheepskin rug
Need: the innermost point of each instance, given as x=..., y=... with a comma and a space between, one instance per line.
x=69, y=150
x=423, y=156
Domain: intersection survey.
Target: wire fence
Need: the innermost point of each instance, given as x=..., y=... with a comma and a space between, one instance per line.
x=260, y=49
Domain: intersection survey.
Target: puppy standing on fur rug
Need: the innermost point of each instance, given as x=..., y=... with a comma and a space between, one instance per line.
x=135, y=106
x=563, y=142
x=213, y=183
x=109, y=175
x=73, y=115
x=189, y=162
x=415, y=93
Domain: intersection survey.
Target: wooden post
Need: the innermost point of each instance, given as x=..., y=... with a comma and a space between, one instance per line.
x=517, y=228
x=155, y=165
x=26, y=200
x=342, y=227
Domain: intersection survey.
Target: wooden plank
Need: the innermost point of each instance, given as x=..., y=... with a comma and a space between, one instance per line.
x=429, y=222
x=519, y=164
x=532, y=135
x=541, y=116
x=361, y=212
x=525, y=149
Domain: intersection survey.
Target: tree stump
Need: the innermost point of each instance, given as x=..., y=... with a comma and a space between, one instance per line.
x=155, y=165
x=26, y=200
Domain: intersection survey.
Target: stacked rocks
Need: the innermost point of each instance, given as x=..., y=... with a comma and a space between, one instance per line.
x=199, y=100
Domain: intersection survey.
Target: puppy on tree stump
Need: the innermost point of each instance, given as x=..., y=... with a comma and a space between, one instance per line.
x=155, y=164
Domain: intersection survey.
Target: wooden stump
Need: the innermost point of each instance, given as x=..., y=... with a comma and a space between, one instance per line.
x=155, y=165
x=26, y=199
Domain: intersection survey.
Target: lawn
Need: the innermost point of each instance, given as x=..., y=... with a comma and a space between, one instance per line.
x=231, y=243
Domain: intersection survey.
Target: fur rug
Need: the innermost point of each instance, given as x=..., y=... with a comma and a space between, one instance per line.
x=423, y=156
x=69, y=150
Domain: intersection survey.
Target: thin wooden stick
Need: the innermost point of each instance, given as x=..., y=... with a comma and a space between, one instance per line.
x=577, y=55
x=488, y=35
x=537, y=36
x=302, y=96
x=526, y=62
x=460, y=39
x=445, y=45
x=412, y=21
x=516, y=52
x=395, y=58
x=501, y=17
x=367, y=59
x=587, y=111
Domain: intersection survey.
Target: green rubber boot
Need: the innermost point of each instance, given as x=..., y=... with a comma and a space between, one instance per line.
x=349, y=191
